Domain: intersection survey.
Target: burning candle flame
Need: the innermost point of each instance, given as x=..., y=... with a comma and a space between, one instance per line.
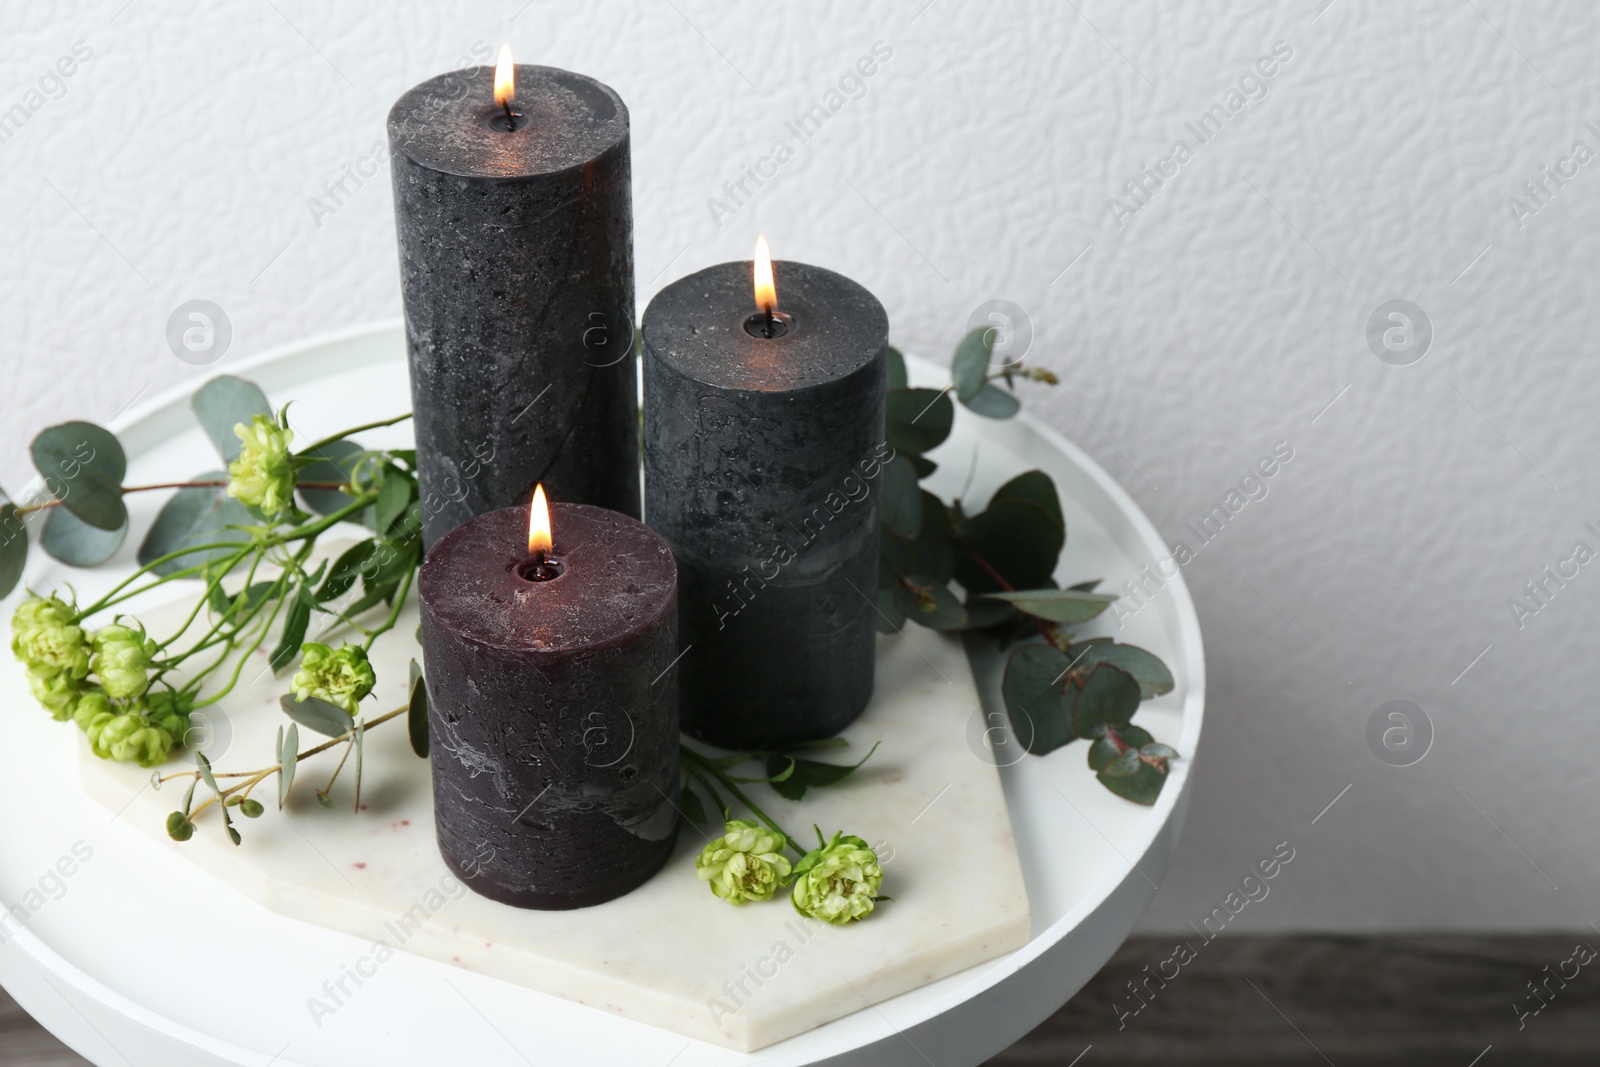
x=539, y=542
x=505, y=78
x=766, y=292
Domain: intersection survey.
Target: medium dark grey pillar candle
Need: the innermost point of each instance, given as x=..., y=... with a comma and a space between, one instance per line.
x=554, y=730
x=516, y=268
x=762, y=458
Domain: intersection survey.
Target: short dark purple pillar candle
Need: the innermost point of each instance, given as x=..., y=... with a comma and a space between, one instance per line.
x=515, y=226
x=763, y=442
x=553, y=713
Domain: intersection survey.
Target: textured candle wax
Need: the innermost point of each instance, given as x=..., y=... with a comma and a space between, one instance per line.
x=553, y=719
x=516, y=268
x=761, y=464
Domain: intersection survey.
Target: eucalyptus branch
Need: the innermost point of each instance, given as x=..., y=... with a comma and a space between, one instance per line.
x=255, y=777
x=215, y=483
x=1049, y=633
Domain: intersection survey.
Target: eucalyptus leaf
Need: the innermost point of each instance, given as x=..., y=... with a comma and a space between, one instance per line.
x=897, y=369
x=1057, y=605
x=888, y=617
x=83, y=465
x=251, y=808
x=900, y=506
x=1108, y=699
x=930, y=604
x=194, y=517
x=221, y=404
x=1155, y=750
x=987, y=614
x=179, y=828
x=927, y=553
x=13, y=546
x=288, y=758
x=332, y=462
x=1143, y=786
x=417, y=714
x=205, y=771
x=994, y=402
x=1152, y=675
x=969, y=369
x=1036, y=701
x=1020, y=535
x=1124, y=765
x=936, y=521
x=919, y=419
x=1104, y=749
x=77, y=544
x=327, y=719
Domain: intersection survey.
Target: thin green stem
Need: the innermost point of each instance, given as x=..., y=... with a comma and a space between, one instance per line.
x=112, y=597
x=216, y=580
x=394, y=615
x=355, y=430
x=740, y=796
x=342, y=760
x=276, y=598
x=254, y=778
x=716, y=798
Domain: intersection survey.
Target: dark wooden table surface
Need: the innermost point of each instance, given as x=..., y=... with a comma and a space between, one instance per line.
x=1280, y=1001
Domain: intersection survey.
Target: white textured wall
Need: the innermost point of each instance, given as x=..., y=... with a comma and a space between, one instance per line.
x=1218, y=319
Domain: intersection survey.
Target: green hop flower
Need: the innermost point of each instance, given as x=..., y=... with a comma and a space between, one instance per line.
x=92, y=704
x=129, y=738
x=45, y=636
x=263, y=475
x=838, y=882
x=341, y=677
x=122, y=660
x=745, y=863
x=56, y=690
x=165, y=710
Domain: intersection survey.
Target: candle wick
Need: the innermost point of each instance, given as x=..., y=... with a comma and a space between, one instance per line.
x=511, y=118
x=767, y=329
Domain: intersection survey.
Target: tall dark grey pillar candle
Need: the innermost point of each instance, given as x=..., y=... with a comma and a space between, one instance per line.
x=516, y=269
x=762, y=458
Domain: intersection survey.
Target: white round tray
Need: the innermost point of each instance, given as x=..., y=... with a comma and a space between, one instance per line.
x=136, y=957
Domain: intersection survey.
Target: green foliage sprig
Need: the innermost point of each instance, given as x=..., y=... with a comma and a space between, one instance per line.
x=1057, y=688
x=254, y=528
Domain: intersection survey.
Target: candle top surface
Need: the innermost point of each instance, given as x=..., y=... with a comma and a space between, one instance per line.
x=618, y=578
x=564, y=120
x=697, y=325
